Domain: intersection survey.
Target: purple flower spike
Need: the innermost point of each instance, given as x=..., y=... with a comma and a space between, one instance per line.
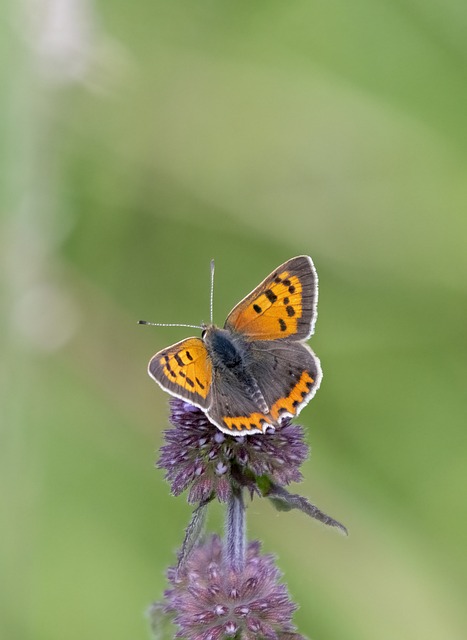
x=199, y=456
x=211, y=601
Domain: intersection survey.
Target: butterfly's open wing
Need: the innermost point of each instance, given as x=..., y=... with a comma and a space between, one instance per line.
x=185, y=371
x=288, y=374
x=282, y=306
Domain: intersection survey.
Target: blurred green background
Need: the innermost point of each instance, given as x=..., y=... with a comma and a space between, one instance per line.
x=141, y=139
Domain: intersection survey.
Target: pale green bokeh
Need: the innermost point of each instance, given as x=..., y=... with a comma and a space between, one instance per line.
x=155, y=136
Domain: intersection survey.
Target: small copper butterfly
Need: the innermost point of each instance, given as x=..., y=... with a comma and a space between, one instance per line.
x=258, y=369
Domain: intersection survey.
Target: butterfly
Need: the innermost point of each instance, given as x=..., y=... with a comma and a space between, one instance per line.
x=258, y=369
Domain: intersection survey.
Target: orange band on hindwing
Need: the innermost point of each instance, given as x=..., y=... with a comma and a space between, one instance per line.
x=296, y=397
x=242, y=424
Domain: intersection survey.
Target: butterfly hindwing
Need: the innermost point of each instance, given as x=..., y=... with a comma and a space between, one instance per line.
x=282, y=306
x=288, y=374
x=233, y=409
x=184, y=370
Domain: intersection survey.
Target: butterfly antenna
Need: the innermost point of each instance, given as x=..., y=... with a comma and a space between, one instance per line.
x=169, y=324
x=212, y=289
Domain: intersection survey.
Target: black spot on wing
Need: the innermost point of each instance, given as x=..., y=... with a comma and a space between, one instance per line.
x=270, y=295
x=282, y=324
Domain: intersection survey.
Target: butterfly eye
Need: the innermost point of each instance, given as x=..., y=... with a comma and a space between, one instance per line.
x=203, y=333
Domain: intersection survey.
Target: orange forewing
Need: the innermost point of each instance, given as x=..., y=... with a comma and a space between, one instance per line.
x=185, y=370
x=282, y=306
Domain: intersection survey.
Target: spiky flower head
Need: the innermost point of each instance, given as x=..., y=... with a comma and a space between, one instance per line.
x=198, y=455
x=208, y=600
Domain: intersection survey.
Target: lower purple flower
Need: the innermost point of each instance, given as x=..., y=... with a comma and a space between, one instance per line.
x=200, y=456
x=208, y=600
